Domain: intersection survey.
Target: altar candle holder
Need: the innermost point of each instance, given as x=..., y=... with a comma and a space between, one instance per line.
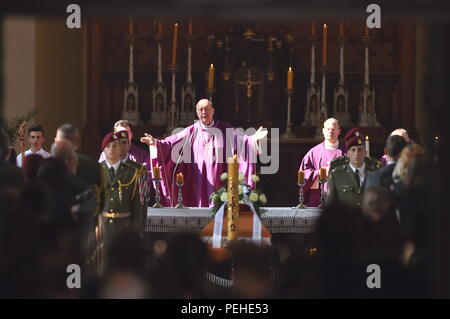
x=210, y=92
x=322, y=192
x=180, y=196
x=289, y=133
x=301, y=198
x=157, y=195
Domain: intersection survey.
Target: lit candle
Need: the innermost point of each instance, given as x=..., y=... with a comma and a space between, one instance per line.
x=301, y=177
x=159, y=27
x=313, y=28
x=190, y=27
x=156, y=172
x=211, y=77
x=233, y=199
x=324, y=46
x=130, y=26
x=341, y=28
x=367, y=146
x=174, y=44
x=180, y=178
x=290, y=78
x=323, y=173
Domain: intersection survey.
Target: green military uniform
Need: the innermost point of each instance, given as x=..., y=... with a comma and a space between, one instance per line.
x=123, y=207
x=342, y=185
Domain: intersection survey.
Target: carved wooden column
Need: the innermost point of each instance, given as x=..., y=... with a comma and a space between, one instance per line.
x=92, y=135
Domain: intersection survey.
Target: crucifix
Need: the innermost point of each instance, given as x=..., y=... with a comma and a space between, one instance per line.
x=249, y=84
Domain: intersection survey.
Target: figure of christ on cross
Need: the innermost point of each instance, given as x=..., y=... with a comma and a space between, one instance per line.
x=200, y=152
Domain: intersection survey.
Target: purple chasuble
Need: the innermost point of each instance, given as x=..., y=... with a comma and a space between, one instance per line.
x=201, y=155
x=316, y=158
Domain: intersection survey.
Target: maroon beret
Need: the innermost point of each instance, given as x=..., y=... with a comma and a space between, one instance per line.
x=353, y=138
x=110, y=137
x=122, y=134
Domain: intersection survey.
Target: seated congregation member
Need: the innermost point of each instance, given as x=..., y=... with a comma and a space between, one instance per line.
x=349, y=173
x=383, y=176
x=320, y=156
x=123, y=208
x=36, y=139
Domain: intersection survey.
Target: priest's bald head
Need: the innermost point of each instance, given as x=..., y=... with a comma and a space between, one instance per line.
x=331, y=130
x=401, y=132
x=205, y=111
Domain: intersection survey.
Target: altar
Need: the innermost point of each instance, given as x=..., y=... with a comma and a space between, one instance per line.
x=279, y=220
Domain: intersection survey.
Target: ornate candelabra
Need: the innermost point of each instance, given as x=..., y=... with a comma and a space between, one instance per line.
x=157, y=195
x=288, y=133
x=322, y=114
x=180, y=196
x=173, y=103
x=210, y=93
x=300, y=196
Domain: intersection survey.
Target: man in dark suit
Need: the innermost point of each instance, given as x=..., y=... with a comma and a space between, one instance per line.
x=88, y=169
x=383, y=176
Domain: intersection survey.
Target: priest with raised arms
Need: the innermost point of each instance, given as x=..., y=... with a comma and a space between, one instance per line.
x=319, y=157
x=200, y=153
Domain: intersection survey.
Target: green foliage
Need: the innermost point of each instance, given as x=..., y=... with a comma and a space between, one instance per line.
x=256, y=196
x=11, y=126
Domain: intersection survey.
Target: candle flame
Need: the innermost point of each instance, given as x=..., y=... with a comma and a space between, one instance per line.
x=367, y=138
x=290, y=69
x=325, y=26
x=211, y=65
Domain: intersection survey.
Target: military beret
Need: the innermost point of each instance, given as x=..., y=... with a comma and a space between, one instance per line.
x=122, y=134
x=353, y=138
x=110, y=137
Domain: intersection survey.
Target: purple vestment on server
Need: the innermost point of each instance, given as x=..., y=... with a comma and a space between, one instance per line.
x=316, y=158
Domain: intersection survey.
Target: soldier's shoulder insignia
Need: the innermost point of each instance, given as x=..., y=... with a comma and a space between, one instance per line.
x=373, y=163
x=338, y=168
x=338, y=161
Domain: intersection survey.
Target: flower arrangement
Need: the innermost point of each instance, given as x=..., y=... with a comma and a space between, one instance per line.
x=255, y=195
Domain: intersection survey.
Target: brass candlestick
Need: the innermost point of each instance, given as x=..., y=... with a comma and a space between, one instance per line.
x=322, y=192
x=157, y=196
x=300, y=197
x=180, y=196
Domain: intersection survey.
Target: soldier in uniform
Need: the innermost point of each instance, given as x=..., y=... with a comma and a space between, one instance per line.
x=349, y=173
x=125, y=146
x=123, y=206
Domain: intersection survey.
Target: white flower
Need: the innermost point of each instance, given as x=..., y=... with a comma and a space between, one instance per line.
x=255, y=178
x=224, y=176
x=263, y=199
x=240, y=189
x=215, y=198
x=224, y=197
x=253, y=197
x=241, y=177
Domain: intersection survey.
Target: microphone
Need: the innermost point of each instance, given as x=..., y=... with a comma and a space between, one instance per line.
x=176, y=165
